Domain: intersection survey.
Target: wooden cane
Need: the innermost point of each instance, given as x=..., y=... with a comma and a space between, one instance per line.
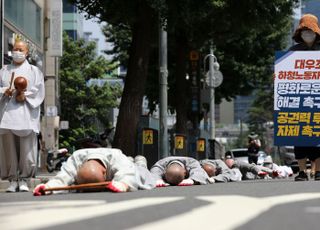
x=11, y=81
x=79, y=186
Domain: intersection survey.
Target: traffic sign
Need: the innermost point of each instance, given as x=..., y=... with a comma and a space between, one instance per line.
x=147, y=137
x=52, y=111
x=64, y=124
x=201, y=145
x=179, y=142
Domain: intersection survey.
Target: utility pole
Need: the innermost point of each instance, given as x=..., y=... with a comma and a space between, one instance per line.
x=212, y=103
x=215, y=79
x=163, y=81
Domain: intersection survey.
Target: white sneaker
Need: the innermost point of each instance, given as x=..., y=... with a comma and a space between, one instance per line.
x=141, y=161
x=23, y=186
x=12, y=187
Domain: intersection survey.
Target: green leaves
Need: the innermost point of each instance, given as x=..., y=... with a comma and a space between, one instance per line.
x=244, y=35
x=84, y=105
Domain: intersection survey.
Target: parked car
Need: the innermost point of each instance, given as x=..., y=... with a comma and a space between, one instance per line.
x=242, y=155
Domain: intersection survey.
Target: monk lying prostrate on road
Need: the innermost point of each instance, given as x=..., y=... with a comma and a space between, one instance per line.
x=99, y=165
x=181, y=171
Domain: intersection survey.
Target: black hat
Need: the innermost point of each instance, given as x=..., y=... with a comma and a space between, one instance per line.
x=228, y=155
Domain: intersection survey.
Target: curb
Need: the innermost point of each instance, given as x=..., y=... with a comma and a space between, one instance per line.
x=32, y=183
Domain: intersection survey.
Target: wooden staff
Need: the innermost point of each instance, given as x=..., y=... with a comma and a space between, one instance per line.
x=11, y=81
x=79, y=186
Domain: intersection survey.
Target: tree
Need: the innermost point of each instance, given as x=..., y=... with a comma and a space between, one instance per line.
x=140, y=17
x=244, y=34
x=83, y=105
x=261, y=114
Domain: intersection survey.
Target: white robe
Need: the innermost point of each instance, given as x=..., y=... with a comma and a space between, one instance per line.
x=21, y=118
x=19, y=122
x=225, y=173
x=283, y=170
x=119, y=168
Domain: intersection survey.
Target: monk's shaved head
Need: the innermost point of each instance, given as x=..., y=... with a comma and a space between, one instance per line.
x=91, y=171
x=229, y=162
x=175, y=173
x=20, y=46
x=210, y=169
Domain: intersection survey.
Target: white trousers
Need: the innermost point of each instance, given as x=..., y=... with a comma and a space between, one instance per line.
x=18, y=156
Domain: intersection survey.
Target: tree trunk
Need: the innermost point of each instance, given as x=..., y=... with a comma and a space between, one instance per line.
x=182, y=99
x=131, y=101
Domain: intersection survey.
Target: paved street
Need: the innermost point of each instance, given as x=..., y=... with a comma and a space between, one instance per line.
x=263, y=204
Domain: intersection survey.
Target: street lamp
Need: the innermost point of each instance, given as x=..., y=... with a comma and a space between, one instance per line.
x=214, y=79
x=163, y=81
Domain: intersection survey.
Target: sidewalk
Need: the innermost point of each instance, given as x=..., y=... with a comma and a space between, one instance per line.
x=41, y=177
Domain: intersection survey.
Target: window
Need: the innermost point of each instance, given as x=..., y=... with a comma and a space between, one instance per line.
x=25, y=15
x=68, y=8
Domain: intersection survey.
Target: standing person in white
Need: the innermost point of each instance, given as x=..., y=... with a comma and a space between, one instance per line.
x=19, y=119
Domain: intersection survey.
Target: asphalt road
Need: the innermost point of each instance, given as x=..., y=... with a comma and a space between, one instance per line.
x=257, y=205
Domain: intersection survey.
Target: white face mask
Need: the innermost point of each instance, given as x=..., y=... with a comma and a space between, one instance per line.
x=308, y=36
x=18, y=56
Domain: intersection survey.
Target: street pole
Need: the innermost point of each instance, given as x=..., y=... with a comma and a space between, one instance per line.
x=163, y=75
x=212, y=104
x=212, y=63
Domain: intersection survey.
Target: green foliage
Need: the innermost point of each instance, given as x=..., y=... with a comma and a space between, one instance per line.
x=262, y=107
x=116, y=12
x=261, y=112
x=120, y=36
x=82, y=105
x=244, y=35
x=240, y=142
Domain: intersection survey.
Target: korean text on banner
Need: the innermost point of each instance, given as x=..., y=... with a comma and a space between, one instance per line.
x=297, y=98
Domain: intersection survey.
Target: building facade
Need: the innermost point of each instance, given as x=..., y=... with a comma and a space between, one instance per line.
x=72, y=21
x=23, y=18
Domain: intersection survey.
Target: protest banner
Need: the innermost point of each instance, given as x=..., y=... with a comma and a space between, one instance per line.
x=297, y=98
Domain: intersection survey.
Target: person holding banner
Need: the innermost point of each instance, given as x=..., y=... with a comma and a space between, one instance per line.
x=21, y=95
x=307, y=36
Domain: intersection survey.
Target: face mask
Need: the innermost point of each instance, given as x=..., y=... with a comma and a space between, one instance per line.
x=18, y=56
x=308, y=36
